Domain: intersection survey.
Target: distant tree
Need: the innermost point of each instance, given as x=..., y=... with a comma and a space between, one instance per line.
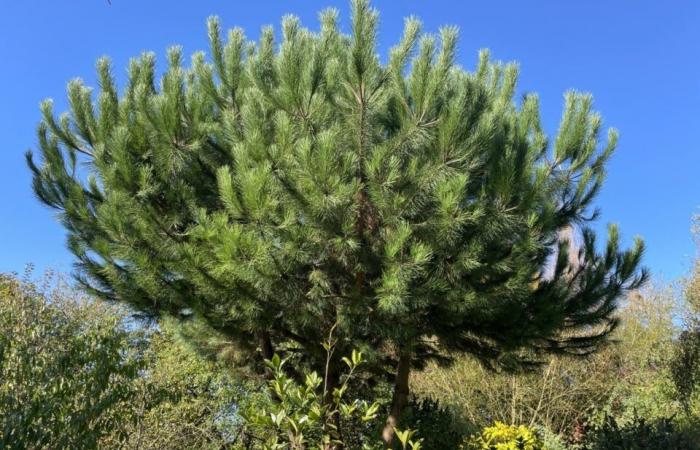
x=685, y=365
x=181, y=400
x=280, y=190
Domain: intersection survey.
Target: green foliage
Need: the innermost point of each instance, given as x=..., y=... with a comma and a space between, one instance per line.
x=67, y=368
x=308, y=416
x=438, y=426
x=181, y=400
x=76, y=373
x=552, y=440
x=632, y=373
x=685, y=364
x=505, y=437
x=637, y=434
x=284, y=188
x=685, y=361
x=685, y=367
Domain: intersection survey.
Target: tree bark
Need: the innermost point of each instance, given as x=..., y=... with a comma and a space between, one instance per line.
x=399, y=398
x=266, y=345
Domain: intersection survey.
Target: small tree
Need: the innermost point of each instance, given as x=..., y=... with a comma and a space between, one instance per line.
x=280, y=190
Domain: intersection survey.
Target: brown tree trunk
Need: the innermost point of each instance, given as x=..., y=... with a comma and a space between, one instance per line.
x=267, y=350
x=399, y=399
x=266, y=345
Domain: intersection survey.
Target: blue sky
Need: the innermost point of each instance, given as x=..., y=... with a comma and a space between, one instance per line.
x=640, y=59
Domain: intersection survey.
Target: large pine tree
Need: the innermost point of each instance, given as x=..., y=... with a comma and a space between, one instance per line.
x=279, y=190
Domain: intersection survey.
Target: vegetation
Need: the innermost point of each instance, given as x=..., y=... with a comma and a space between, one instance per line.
x=165, y=393
x=75, y=373
x=278, y=192
x=637, y=433
x=564, y=393
x=294, y=245
x=685, y=365
x=65, y=369
x=506, y=437
x=301, y=418
x=182, y=401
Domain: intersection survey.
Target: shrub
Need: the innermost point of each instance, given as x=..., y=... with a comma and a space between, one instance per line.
x=66, y=367
x=308, y=415
x=440, y=428
x=77, y=373
x=551, y=440
x=505, y=437
x=312, y=415
x=637, y=434
x=181, y=400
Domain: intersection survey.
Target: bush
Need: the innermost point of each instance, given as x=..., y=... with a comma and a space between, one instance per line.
x=637, y=434
x=181, y=400
x=440, y=428
x=66, y=367
x=309, y=415
x=77, y=373
x=551, y=440
x=505, y=437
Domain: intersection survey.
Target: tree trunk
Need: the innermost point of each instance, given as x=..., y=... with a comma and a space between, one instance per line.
x=399, y=399
x=266, y=345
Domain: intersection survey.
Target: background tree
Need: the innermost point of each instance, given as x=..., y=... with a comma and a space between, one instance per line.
x=67, y=368
x=280, y=190
x=685, y=365
x=181, y=400
x=77, y=373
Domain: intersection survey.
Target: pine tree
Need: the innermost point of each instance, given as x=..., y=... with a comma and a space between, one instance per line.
x=277, y=191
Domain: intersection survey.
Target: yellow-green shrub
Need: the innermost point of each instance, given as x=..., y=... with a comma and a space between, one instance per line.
x=505, y=437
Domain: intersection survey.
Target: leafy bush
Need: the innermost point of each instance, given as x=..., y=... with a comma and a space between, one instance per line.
x=637, y=434
x=505, y=437
x=551, y=440
x=77, y=373
x=308, y=415
x=685, y=367
x=440, y=428
x=66, y=367
x=181, y=400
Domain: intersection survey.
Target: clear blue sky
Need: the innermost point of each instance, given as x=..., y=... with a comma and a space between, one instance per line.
x=640, y=59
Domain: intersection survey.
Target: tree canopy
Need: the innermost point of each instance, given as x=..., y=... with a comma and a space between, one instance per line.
x=281, y=190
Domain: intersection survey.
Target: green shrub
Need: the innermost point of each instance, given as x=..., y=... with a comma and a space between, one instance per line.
x=75, y=373
x=505, y=437
x=308, y=415
x=552, y=440
x=182, y=400
x=66, y=368
x=311, y=415
x=440, y=428
x=637, y=434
